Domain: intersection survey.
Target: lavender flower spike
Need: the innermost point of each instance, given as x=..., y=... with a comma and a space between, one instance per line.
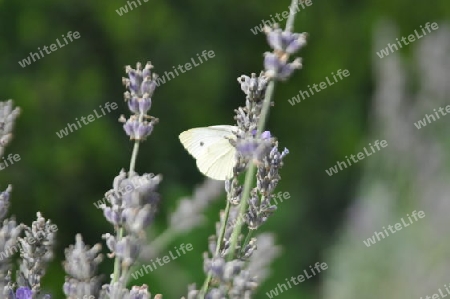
x=4, y=202
x=141, y=84
x=81, y=268
x=36, y=252
x=9, y=232
x=227, y=266
x=132, y=202
x=8, y=117
x=284, y=43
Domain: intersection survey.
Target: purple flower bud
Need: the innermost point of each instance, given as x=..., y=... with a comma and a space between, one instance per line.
x=253, y=86
x=271, y=63
x=247, y=148
x=140, y=81
x=23, y=293
x=112, y=216
x=133, y=104
x=144, y=104
x=127, y=247
x=138, y=220
x=130, y=127
x=286, y=72
x=287, y=69
x=217, y=266
x=148, y=86
x=144, y=130
x=139, y=292
x=110, y=241
x=135, y=80
x=266, y=135
x=296, y=43
x=285, y=41
x=274, y=38
x=147, y=70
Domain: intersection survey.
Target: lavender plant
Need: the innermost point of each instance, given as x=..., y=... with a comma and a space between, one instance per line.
x=34, y=257
x=233, y=267
x=34, y=243
x=133, y=200
x=230, y=252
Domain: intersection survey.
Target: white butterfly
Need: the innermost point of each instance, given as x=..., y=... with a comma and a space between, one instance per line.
x=212, y=149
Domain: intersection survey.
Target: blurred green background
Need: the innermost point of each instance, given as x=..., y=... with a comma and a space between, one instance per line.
x=62, y=178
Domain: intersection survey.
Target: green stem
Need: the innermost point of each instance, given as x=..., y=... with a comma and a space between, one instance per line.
x=120, y=232
x=218, y=246
x=223, y=227
x=134, y=157
x=117, y=260
x=291, y=18
x=250, y=173
x=247, y=239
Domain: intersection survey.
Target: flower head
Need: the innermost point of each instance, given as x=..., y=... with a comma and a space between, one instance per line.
x=4, y=202
x=138, y=129
x=140, y=81
x=284, y=43
x=141, y=84
x=254, y=87
x=277, y=66
x=252, y=147
x=23, y=293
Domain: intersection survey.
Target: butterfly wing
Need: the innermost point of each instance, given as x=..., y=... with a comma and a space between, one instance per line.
x=212, y=149
x=219, y=160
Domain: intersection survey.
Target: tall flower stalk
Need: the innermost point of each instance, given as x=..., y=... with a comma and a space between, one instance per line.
x=259, y=157
x=133, y=199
